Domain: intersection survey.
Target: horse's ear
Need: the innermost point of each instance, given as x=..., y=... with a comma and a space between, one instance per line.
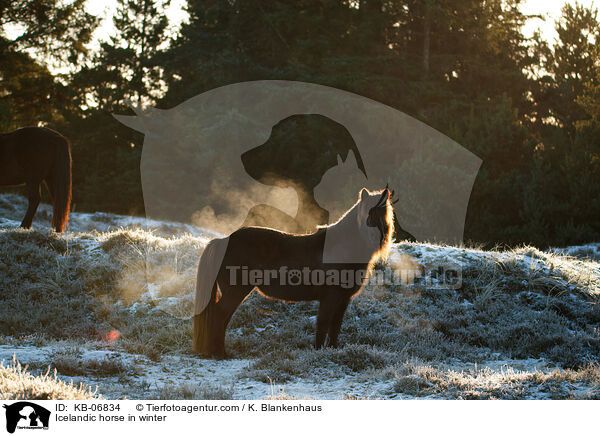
x=363, y=194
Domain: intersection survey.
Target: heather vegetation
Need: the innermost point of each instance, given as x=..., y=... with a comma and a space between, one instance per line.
x=524, y=323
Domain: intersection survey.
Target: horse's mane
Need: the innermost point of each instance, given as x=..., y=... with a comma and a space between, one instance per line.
x=349, y=224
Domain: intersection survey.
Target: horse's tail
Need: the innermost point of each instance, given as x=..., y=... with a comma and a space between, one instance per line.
x=207, y=294
x=62, y=185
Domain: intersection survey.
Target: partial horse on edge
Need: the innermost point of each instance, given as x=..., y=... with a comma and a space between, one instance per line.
x=32, y=155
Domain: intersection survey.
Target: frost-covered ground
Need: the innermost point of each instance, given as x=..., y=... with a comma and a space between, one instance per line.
x=108, y=304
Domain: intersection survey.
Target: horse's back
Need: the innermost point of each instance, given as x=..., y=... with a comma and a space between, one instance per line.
x=261, y=246
x=30, y=137
x=27, y=152
x=37, y=137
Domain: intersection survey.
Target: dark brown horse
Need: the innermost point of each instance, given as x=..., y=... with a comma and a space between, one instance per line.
x=32, y=155
x=330, y=265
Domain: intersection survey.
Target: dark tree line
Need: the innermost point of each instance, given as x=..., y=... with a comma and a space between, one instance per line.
x=530, y=110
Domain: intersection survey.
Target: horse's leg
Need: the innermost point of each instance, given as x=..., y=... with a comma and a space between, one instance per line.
x=50, y=186
x=33, y=194
x=231, y=297
x=323, y=320
x=336, y=321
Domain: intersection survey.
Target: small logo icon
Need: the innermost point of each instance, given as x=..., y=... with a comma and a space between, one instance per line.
x=26, y=415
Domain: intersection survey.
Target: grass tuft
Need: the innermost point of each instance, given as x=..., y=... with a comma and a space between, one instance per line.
x=16, y=383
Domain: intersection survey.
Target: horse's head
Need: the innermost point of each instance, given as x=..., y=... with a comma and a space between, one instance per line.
x=375, y=217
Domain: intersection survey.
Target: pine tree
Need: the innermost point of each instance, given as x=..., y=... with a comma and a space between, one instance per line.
x=572, y=65
x=34, y=36
x=126, y=69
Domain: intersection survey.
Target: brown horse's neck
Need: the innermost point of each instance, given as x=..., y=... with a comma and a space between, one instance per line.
x=346, y=243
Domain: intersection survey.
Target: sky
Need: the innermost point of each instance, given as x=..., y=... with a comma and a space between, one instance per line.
x=549, y=9
x=105, y=9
